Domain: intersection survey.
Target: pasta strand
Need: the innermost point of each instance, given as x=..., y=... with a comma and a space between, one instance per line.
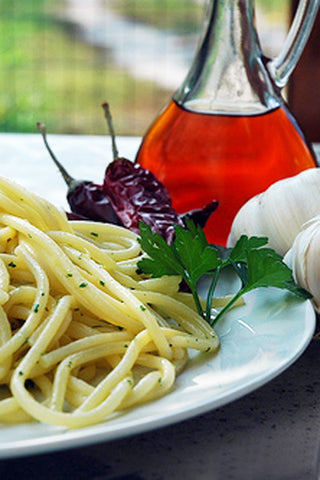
x=83, y=334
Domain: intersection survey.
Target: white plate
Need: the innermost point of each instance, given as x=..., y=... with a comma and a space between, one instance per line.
x=258, y=341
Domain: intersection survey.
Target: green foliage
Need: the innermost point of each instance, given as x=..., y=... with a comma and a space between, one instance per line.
x=191, y=256
x=181, y=16
x=178, y=258
x=48, y=74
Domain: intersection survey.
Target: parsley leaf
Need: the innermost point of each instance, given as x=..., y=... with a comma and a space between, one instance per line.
x=265, y=269
x=239, y=251
x=259, y=267
x=199, y=259
x=162, y=259
x=191, y=256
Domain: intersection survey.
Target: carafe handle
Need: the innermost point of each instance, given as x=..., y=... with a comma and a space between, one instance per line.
x=283, y=64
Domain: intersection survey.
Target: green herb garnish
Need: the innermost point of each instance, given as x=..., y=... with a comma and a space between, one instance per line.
x=191, y=256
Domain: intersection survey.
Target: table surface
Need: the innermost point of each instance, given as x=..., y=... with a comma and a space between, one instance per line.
x=272, y=433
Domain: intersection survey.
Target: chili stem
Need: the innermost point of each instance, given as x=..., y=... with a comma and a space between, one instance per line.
x=108, y=116
x=67, y=178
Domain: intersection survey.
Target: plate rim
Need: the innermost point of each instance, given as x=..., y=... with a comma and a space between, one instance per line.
x=65, y=439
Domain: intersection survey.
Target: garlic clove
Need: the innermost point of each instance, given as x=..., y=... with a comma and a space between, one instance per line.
x=247, y=221
x=280, y=211
x=304, y=259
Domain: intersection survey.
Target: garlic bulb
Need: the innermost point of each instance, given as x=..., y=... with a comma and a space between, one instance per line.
x=304, y=259
x=280, y=211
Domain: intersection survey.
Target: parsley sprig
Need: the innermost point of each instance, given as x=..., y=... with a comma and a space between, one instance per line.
x=191, y=256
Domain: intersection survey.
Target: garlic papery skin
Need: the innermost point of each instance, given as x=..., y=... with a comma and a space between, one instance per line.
x=280, y=211
x=304, y=259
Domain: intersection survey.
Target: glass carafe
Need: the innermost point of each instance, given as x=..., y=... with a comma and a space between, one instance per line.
x=227, y=133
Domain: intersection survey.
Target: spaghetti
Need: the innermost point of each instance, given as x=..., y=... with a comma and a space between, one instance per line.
x=82, y=333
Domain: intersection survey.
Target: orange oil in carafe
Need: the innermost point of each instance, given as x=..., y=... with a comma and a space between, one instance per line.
x=200, y=157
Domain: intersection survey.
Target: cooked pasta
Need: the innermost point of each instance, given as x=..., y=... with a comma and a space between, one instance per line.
x=82, y=334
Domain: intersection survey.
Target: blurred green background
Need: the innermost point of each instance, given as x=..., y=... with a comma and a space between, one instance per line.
x=55, y=68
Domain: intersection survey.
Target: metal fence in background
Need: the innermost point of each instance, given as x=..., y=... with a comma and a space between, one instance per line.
x=59, y=59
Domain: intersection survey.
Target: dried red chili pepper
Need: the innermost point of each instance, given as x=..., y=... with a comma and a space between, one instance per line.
x=86, y=199
x=129, y=194
x=136, y=194
x=200, y=216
